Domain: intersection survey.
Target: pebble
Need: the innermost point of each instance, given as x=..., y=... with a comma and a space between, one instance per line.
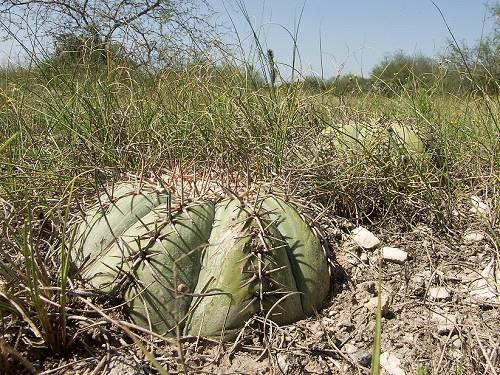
x=391, y=364
x=364, y=238
x=349, y=326
x=316, y=330
x=456, y=342
x=439, y=293
x=408, y=338
x=385, y=304
x=473, y=236
x=486, y=289
x=394, y=254
x=479, y=207
x=283, y=362
x=369, y=286
x=445, y=322
x=363, y=357
x=350, y=348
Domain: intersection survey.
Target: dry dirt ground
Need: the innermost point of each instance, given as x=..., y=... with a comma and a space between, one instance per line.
x=424, y=330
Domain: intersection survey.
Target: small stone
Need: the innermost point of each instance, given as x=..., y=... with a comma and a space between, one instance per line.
x=283, y=362
x=392, y=364
x=346, y=324
x=445, y=322
x=439, y=294
x=363, y=357
x=456, y=342
x=457, y=354
x=364, y=238
x=373, y=259
x=473, y=236
x=393, y=254
x=407, y=338
x=486, y=288
x=350, y=348
x=479, y=207
x=385, y=304
x=370, y=287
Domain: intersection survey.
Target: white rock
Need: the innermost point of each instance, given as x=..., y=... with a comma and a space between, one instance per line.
x=364, y=238
x=283, y=362
x=445, y=323
x=348, y=325
x=385, y=304
x=479, y=207
x=439, y=293
x=393, y=254
x=121, y=365
x=456, y=342
x=473, y=236
x=487, y=288
x=392, y=364
x=350, y=348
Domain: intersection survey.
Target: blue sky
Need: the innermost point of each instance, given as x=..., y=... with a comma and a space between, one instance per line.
x=356, y=34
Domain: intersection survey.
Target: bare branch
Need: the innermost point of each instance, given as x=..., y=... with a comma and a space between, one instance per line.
x=143, y=28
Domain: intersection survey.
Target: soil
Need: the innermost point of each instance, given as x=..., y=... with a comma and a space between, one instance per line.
x=450, y=333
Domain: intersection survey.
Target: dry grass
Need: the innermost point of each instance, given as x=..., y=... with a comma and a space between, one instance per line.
x=64, y=136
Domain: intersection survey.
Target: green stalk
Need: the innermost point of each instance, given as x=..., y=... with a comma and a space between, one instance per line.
x=9, y=141
x=378, y=329
x=65, y=265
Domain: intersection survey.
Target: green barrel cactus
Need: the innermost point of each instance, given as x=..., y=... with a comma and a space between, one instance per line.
x=204, y=264
x=357, y=136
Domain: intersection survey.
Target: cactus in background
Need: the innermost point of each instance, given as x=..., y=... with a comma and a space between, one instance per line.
x=202, y=263
x=358, y=136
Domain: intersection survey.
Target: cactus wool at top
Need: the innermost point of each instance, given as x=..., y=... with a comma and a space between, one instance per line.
x=202, y=263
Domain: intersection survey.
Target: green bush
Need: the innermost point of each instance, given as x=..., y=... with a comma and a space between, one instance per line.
x=399, y=71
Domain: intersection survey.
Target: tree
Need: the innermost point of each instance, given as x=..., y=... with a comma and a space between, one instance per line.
x=148, y=30
x=399, y=70
x=478, y=66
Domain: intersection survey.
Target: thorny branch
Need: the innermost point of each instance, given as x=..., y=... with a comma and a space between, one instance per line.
x=148, y=31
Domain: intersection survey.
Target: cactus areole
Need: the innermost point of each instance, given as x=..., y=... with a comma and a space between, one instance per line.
x=205, y=265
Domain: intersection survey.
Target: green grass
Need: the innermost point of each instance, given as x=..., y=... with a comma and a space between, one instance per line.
x=67, y=131
x=377, y=340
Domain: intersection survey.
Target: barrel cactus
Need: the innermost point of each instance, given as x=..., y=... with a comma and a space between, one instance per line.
x=353, y=136
x=202, y=263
